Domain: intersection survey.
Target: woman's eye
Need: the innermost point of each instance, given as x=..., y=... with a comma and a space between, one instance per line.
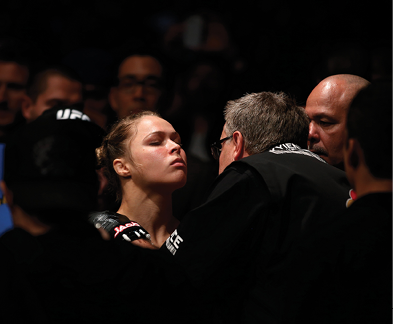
x=155, y=143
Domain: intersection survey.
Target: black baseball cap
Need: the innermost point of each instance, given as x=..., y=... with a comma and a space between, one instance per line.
x=50, y=163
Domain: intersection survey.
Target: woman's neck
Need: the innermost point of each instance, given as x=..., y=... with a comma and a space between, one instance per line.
x=152, y=211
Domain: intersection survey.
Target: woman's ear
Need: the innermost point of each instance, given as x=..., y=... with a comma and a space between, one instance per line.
x=122, y=168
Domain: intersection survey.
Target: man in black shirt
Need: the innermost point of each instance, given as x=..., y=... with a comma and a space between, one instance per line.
x=271, y=191
x=342, y=273
x=55, y=266
x=368, y=165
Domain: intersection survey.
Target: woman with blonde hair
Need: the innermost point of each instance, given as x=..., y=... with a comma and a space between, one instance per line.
x=144, y=162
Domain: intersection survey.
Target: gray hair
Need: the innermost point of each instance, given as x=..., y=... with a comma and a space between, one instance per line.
x=266, y=119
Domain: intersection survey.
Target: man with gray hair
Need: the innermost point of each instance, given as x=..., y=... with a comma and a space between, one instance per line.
x=270, y=191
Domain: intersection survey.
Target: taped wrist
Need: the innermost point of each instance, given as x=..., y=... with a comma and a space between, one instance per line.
x=118, y=226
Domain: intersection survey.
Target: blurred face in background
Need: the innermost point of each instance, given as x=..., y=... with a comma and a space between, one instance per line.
x=13, y=80
x=59, y=91
x=139, y=86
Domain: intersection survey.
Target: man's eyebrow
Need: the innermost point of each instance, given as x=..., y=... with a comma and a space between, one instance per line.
x=322, y=115
x=133, y=76
x=16, y=85
x=127, y=76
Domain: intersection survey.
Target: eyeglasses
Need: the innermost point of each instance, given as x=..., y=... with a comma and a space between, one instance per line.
x=216, y=147
x=128, y=84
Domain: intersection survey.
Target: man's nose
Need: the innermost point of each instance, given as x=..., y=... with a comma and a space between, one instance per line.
x=313, y=132
x=3, y=92
x=139, y=91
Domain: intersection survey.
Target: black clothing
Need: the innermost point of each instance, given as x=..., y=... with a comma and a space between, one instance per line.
x=8, y=130
x=342, y=273
x=57, y=277
x=257, y=208
x=200, y=176
x=71, y=275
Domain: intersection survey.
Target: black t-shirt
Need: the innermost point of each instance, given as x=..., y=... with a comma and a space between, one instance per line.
x=342, y=273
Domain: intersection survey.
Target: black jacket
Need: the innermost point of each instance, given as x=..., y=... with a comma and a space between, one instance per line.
x=256, y=210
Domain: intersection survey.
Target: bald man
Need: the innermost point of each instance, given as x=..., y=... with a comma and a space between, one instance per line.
x=327, y=107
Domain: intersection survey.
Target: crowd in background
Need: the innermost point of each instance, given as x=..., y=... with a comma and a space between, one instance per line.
x=100, y=62
x=203, y=66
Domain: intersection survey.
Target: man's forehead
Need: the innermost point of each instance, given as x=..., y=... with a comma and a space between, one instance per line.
x=60, y=81
x=328, y=101
x=140, y=66
x=13, y=72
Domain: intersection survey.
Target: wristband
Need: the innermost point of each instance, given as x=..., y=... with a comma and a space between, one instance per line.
x=118, y=226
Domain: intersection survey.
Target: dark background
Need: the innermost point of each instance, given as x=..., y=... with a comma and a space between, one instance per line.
x=278, y=45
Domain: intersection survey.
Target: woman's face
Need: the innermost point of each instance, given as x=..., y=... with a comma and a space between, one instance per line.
x=158, y=159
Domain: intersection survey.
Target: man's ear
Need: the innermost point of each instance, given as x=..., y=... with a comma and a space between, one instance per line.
x=122, y=168
x=27, y=107
x=354, y=153
x=239, y=151
x=112, y=97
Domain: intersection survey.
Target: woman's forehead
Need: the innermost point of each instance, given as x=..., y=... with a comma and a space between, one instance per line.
x=153, y=124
